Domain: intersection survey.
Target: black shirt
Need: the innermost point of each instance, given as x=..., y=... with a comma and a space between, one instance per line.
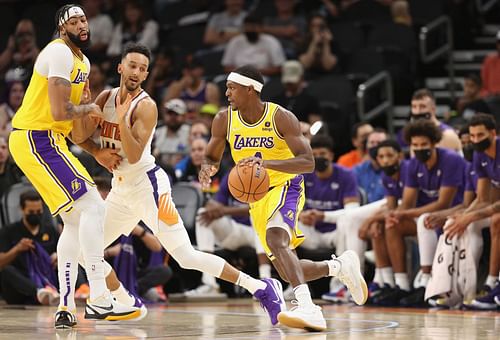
x=10, y=235
x=10, y=176
x=302, y=105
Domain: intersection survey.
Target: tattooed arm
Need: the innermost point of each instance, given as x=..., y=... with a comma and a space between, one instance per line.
x=61, y=106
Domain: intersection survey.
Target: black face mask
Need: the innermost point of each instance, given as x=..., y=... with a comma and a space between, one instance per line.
x=482, y=145
x=390, y=169
x=373, y=152
x=423, y=155
x=424, y=115
x=75, y=39
x=252, y=37
x=34, y=219
x=321, y=164
x=468, y=152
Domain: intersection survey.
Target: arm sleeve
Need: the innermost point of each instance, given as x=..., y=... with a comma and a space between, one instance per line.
x=56, y=60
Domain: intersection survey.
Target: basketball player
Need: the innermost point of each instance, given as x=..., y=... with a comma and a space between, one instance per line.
x=38, y=146
x=264, y=133
x=141, y=189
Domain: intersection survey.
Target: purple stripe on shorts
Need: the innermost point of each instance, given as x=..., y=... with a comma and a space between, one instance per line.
x=154, y=182
x=74, y=185
x=289, y=209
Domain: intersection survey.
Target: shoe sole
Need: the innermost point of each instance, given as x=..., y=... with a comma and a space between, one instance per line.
x=292, y=322
x=114, y=317
x=64, y=326
x=355, y=271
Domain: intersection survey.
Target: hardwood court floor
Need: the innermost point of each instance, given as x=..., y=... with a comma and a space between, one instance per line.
x=243, y=319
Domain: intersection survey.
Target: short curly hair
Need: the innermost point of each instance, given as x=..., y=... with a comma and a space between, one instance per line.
x=422, y=128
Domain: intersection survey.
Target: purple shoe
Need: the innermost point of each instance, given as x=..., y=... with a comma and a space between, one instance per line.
x=486, y=302
x=271, y=299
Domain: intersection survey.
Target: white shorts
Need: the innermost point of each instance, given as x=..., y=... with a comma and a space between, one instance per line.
x=132, y=199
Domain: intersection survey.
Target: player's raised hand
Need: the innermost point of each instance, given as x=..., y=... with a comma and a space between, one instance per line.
x=122, y=108
x=108, y=158
x=207, y=170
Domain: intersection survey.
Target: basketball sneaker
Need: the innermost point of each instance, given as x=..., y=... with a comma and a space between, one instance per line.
x=108, y=308
x=47, y=296
x=350, y=275
x=64, y=319
x=309, y=318
x=486, y=302
x=271, y=298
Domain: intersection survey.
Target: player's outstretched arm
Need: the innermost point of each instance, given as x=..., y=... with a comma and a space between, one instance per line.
x=144, y=118
x=215, y=149
x=303, y=162
x=85, y=127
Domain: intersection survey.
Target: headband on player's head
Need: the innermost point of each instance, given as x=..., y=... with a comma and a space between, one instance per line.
x=73, y=11
x=245, y=81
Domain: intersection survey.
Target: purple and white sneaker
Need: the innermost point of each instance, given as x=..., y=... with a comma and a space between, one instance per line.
x=271, y=299
x=487, y=302
x=138, y=303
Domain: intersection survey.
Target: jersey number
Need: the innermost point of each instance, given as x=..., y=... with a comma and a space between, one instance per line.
x=108, y=145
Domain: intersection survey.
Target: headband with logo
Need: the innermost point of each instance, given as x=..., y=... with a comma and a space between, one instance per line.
x=245, y=81
x=71, y=12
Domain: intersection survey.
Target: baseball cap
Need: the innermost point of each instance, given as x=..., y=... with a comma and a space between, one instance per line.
x=291, y=71
x=176, y=105
x=209, y=109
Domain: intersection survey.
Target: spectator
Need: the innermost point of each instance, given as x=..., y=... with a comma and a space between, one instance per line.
x=471, y=102
x=193, y=89
x=225, y=222
x=9, y=172
x=286, y=26
x=223, y=26
x=490, y=72
x=435, y=181
x=400, y=11
x=295, y=97
x=134, y=27
x=171, y=139
x=21, y=52
x=188, y=171
x=255, y=48
x=318, y=52
x=198, y=130
x=423, y=106
x=97, y=81
x=162, y=74
x=101, y=28
x=368, y=173
x=359, y=133
x=329, y=190
x=28, y=256
x=13, y=99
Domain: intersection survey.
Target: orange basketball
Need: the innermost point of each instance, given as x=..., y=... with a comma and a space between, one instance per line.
x=248, y=184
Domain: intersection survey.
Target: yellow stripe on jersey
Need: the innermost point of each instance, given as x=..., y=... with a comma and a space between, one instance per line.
x=246, y=140
x=35, y=113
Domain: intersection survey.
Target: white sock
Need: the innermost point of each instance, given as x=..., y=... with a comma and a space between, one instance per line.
x=378, y=278
x=334, y=266
x=424, y=279
x=491, y=281
x=388, y=276
x=264, y=270
x=402, y=281
x=249, y=283
x=303, y=295
x=209, y=280
x=68, y=249
x=122, y=295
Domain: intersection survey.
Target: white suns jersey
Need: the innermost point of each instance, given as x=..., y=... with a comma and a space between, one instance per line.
x=110, y=135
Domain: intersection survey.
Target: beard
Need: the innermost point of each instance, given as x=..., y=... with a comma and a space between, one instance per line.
x=75, y=39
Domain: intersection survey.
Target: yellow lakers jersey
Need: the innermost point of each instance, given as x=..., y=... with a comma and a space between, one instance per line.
x=261, y=138
x=35, y=112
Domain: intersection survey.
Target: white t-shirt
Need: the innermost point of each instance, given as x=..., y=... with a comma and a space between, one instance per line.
x=266, y=52
x=178, y=143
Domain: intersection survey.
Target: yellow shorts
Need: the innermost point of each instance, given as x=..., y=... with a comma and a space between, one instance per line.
x=56, y=174
x=281, y=206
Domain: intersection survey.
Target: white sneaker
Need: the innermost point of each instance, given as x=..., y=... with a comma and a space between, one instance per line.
x=107, y=308
x=132, y=301
x=205, y=291
x=350, y=275
x=309, y=318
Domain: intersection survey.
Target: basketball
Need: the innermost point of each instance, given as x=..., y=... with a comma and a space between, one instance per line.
x=248, y=184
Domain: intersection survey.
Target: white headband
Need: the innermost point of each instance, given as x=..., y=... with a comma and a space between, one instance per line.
x=245, y=81
x=74, y=11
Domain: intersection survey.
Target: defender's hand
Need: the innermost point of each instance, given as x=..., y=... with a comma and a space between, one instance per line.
x=108, y=158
